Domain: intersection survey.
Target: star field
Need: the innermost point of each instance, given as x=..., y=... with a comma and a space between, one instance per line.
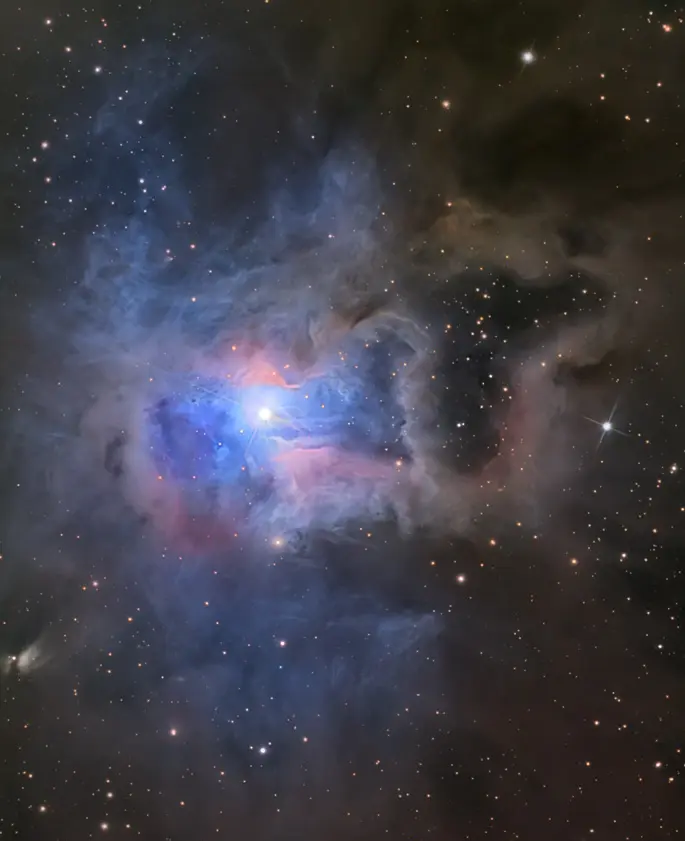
x=340, y=390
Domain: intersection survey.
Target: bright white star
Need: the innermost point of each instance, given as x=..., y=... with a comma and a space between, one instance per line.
x=607, y=426
x=265, y=414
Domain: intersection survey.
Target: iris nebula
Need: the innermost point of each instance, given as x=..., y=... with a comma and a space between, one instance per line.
x=340, y=461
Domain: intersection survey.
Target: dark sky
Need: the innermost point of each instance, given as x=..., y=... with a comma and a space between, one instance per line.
x=341, y=352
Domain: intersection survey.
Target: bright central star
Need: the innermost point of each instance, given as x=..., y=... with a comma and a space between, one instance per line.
x=265, y=414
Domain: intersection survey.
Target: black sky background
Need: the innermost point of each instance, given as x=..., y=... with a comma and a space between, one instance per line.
x=496, y=652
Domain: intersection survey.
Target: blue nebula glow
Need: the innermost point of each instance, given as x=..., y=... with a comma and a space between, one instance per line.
x=224, y=435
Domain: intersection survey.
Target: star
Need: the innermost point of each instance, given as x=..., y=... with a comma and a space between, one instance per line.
x=607, y=426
